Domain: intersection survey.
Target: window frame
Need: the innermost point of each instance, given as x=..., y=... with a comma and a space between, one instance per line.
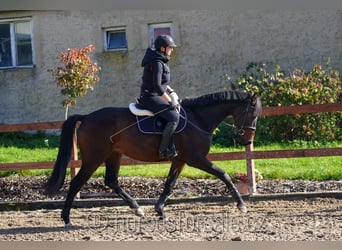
x=151, y=31
x=14, y=51
x=106, y=37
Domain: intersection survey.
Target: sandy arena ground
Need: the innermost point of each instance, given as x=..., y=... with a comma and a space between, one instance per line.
x=303, y=219
x=299, y=220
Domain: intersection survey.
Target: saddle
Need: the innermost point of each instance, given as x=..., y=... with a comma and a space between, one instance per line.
x=148, y=123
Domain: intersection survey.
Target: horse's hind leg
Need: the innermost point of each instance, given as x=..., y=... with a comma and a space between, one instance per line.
x=111, y=180
x=76, y=183
x=174, y=172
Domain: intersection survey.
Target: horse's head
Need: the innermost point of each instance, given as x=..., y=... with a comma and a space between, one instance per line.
x=246, y=120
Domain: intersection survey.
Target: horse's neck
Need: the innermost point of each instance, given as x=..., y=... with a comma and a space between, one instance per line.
x=211, y=116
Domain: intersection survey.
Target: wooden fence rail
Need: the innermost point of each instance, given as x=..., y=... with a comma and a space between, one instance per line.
x=249, y=154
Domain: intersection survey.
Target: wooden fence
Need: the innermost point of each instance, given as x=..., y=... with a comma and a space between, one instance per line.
x=249, y=155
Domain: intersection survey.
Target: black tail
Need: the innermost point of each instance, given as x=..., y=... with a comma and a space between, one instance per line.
x=56, y=180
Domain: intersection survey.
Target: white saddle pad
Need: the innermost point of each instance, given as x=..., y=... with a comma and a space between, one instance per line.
x=139, y=111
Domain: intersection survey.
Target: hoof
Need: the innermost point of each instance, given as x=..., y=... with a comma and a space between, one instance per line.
x=242, y=207
x=139, y=212
x=163, y=218
x=67, y=225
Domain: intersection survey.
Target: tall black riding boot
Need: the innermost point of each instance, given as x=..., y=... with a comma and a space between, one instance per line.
x=167, y=151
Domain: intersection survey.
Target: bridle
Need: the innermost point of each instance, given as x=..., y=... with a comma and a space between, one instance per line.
x=241, y=130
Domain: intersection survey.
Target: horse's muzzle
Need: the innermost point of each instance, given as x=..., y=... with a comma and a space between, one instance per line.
x=245, y=137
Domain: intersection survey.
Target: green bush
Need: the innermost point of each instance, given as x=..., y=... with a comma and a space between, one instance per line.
x=318, y=86
x=28, y=140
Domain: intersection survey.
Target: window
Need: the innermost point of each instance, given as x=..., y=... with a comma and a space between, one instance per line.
x=115, y=39
x=16, y=48
x=159, y=29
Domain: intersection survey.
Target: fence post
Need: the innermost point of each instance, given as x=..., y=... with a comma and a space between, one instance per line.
x=250, y=169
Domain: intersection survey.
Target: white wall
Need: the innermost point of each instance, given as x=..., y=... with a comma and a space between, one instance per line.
x=211, y=43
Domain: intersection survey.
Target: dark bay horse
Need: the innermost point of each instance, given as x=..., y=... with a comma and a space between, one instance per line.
x=97, y=144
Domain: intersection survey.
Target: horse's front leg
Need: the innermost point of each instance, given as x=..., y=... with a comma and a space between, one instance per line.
x=207, y=166
x=174, y=172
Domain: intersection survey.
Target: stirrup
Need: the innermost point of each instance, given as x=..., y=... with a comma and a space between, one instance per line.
x=168, y=154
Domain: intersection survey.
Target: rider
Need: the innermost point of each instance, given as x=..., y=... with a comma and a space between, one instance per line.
x=156, y=94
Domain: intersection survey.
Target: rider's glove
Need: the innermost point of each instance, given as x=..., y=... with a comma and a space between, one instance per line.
x=175, y=101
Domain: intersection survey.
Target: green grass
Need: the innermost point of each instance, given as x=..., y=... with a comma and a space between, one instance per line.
x=21, y=147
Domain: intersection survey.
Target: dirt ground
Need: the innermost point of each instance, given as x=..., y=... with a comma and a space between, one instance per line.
x=304, y=219
x=298, y=220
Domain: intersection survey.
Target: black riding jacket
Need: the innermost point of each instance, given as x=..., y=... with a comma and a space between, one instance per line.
x=156, y=73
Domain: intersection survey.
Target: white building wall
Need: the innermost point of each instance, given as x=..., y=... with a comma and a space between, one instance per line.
x=211, y=44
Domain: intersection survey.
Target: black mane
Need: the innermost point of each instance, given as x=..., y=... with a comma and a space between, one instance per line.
x=216, y=98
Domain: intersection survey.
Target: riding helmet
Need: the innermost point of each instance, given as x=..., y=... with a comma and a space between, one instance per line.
x=164, y=41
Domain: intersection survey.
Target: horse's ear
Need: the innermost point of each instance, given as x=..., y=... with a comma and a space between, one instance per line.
x=257, y=103
x=255, y=98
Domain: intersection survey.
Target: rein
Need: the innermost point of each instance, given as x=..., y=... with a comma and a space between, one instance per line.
x=135, y=123
x=194, y=125
x=240, y=130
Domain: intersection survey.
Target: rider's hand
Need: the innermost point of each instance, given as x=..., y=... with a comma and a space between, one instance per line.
x=174, y=97
x=175, y=101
